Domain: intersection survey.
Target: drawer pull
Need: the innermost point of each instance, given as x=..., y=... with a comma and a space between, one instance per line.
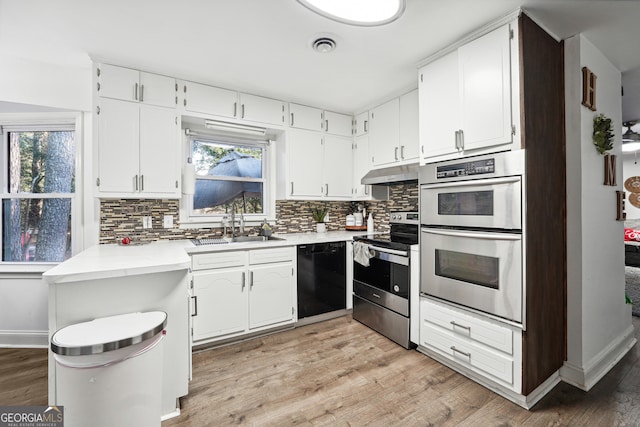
x=455, y=350
x=376, y=295
x=468, y=328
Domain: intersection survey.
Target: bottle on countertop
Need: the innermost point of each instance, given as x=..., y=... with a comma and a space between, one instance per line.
x=370, y=224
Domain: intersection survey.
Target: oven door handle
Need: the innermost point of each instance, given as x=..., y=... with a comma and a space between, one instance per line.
x=388, y=251
x=474, y=182
x=472, y=234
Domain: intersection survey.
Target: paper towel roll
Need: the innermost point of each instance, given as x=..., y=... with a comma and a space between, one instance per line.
x=188, y=179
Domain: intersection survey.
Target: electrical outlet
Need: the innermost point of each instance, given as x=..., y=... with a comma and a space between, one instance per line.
x=168, y=221
x=146, y=222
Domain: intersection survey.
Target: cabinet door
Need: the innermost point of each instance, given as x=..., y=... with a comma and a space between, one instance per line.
x=118, y=146
x=409, y=135
x=338, y=124
x=118, y=83
x=384, y=133
x=485, y=92
x=220, y=306
x=209, y=99
x=337, y=165
x=270, y=294
x=362, y=123
x=361, y=165
x=159, y=151
x=439, y=106
x=303, y=117
x=260, y=109
x=305, y=163
x=157, y=90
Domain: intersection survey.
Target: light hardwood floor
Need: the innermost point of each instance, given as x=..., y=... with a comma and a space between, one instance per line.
x=341, y=373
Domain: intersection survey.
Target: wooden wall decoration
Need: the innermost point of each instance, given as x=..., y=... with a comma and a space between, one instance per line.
x=620, y=213
x=589, y=89
x=610, y=169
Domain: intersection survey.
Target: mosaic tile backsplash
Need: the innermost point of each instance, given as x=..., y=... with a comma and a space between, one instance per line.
x=123, y=217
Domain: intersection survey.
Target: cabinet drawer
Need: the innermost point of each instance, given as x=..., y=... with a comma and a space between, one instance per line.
x=265, y=256
x=220, y=259
x=467, y=352
x=482, y=331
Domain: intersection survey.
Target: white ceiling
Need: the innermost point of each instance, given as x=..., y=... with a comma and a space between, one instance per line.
x=262, y=46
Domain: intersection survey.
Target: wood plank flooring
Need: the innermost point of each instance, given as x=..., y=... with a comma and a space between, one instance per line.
x=340, y=373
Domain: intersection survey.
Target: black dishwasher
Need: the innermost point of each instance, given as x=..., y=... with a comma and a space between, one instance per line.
x=322, y=271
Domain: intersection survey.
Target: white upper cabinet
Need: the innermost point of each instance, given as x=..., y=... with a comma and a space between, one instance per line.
x=204, y=99
x=361, y=124
x=137, y=150
x=136, y=86
x=466, y=98
x=408, y=136
x=384, y=133
x=485, y=90
x=338, y=159
x=305, y=168
x=338, y=124
x=361, y=165
x=439, y=107
x=303, y=117
x=260, y=109
x=199, y=98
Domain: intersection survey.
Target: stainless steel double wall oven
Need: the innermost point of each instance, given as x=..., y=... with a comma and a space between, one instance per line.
x=471, y=245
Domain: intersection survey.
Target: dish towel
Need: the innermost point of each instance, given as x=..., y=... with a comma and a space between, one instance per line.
x=362, y=254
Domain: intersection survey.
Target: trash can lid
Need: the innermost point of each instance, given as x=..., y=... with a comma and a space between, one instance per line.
x=107, y=333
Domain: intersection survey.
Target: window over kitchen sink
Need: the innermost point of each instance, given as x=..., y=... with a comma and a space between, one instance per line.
x=232, y=174
x=38, y=192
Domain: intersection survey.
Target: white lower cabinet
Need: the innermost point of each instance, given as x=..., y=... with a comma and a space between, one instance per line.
x=240, y=292
x=486, y=347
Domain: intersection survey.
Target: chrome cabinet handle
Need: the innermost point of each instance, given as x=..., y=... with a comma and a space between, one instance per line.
x=243, y=280
x=402, y=152
x=326, y=189
x=292, y=188
x=141, y=182
x=464, y=353
x=135, y=179
x=195, y=306
x=141, y=93
x=326, y=126
x=242, y=111
x=468, y=328
x=366, y=122
x=396, y=153
x=291, y=119
x=376, y=295
x=251, y=279
x=235, y=109
x=461, y=139
x=457, y=139
x=135, y=92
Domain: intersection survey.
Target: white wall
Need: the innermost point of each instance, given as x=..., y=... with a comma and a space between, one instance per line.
x=599, y=322
x=631, y=167
x=23, y=310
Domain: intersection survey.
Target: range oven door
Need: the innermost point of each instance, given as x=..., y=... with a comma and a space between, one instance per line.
x=386, y=280
x=485, y=203
x=480, y=270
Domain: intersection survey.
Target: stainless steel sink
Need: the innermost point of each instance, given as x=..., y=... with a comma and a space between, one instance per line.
x=237, y=239
x=244, y=239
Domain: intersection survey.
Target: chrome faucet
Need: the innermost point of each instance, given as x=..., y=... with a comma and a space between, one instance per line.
x=233, y=221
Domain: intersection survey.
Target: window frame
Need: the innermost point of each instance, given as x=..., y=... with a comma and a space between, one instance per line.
x=188, y=220
x=16, y=122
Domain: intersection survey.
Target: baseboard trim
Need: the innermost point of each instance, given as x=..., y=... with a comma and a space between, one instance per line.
x=588, y=376
x=24, y=339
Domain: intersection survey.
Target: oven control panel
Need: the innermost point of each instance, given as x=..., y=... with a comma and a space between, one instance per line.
x=477, y=167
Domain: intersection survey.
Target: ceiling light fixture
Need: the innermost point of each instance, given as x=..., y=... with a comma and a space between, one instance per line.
x=234, y=127
x=357, y=12
x=630, y=139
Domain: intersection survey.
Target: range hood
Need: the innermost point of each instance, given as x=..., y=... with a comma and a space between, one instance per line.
x=391, y=175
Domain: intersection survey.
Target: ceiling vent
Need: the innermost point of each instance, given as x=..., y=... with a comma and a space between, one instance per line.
x=323, y=45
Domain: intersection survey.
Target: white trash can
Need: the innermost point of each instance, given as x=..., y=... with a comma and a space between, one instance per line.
x=109, y=370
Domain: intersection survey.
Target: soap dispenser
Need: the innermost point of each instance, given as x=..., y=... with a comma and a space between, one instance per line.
x=370, y=224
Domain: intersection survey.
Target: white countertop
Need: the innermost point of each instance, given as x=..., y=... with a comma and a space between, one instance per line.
x=111, y=261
